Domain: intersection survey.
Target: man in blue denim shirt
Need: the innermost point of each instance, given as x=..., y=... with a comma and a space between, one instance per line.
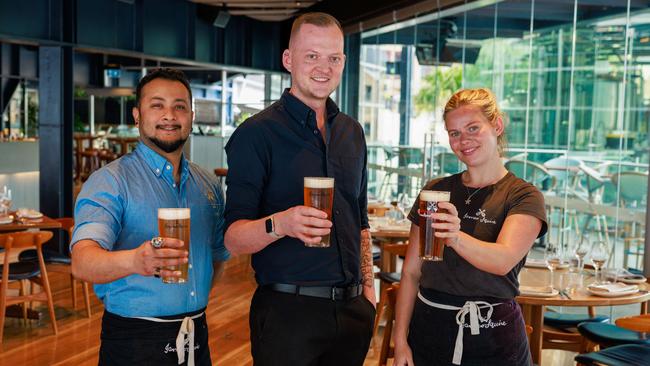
x=116, y=221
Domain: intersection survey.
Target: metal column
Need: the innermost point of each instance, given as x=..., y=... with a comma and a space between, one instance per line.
x=55, y=130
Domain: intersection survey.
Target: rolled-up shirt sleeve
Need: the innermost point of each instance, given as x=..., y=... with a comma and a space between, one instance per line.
x=248, y=167
x=98, y=210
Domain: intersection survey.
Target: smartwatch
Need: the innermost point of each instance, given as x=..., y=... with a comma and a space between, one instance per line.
x=270, y=228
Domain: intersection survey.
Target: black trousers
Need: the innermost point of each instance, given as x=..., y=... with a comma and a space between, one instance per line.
x=300, y=330
x=501, y=342
x=129, y=341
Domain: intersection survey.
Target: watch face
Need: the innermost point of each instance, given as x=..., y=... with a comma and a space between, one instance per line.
x=269, y=225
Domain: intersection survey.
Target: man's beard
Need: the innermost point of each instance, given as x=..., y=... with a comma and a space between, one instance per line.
x=168, y=147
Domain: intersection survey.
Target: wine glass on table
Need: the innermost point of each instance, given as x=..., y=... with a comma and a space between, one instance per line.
x=404, y=204
x=599, y=255
x=580, y=251
x=553, y=260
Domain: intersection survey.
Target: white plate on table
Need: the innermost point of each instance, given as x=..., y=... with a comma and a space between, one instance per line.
x=632, y=290
x=29, y=214
x=6, y=219
x=540, y=263
x=535, y=291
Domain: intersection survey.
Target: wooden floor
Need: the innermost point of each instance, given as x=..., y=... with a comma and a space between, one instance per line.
x=77, y=342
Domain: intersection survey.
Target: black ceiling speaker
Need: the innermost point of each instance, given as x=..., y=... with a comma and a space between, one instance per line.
x=221, y=21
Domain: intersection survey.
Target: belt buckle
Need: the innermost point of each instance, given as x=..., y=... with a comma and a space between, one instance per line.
x=333, y=297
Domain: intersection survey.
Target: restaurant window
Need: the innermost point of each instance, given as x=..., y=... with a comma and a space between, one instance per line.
x=576, y=93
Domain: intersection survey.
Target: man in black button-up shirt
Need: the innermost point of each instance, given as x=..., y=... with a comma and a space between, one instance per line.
x=313, y=306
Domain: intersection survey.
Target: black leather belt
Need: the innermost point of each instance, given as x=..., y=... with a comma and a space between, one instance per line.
x=325, y=292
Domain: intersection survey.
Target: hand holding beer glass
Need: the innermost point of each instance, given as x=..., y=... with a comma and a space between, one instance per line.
x=319, y=194
x=175, y=223
x=431, y=247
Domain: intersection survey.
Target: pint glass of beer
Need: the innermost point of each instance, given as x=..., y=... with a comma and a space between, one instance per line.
x=175, y=223
x=431, y=247
x=319, y=193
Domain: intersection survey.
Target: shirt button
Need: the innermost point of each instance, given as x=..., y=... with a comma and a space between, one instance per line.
x=157, y=170
x=189, y=266
x=168, y=167
x=337, y=212
x=174, y=185
x=315, y=132
x=192, y=293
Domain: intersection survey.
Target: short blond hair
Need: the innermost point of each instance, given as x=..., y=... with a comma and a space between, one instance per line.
x=314, y=18
x=484, y=99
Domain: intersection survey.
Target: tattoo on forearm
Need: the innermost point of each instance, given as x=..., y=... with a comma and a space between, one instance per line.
x=367, y=275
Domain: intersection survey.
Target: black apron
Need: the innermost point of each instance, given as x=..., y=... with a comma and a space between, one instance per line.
x=500, y=332
x=134, y=341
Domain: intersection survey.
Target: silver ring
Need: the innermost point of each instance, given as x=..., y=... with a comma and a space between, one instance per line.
x=156, y=272
x=157, y=242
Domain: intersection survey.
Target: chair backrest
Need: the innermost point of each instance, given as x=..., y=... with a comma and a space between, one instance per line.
x=634, y=186
x=563, y=168
x=637, y=323
x=532, y=172
x=221, y=174
x=67, y=224
x=396, y=249
x=24, y=239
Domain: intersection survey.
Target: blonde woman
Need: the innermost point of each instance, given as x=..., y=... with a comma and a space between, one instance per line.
x=461, y=310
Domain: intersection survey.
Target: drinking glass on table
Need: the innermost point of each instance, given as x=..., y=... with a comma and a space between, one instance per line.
x=5, y=201
x=554, y=259
x=580, y=251
x=404, y=204
x=599, y=255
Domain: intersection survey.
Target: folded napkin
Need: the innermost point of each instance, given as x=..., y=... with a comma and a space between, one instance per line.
x=613, y=287
x=623, y=274
x=537, y=289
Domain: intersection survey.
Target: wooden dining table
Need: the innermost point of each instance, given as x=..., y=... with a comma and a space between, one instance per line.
x=19, y=224
x=385, y=233
x=533, y=307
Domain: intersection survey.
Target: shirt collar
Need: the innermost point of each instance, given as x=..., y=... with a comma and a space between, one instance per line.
x=302, y=113
x=157, y=162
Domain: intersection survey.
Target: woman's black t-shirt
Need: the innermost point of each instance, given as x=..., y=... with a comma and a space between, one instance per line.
x=482, y=218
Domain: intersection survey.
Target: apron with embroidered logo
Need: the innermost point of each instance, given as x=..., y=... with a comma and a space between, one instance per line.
x=458, y=330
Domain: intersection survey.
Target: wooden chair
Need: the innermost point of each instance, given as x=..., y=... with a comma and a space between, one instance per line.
x=637, y=323
x=532, y=172
x=22, y=271
x=386, y=279
x=560, y=330
x=89, y=163
x=61, y=263
x=387, y=350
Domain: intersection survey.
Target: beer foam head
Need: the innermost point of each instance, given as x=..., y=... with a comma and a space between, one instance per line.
x=174, y=213
x=435, y=196
x=319, y=182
